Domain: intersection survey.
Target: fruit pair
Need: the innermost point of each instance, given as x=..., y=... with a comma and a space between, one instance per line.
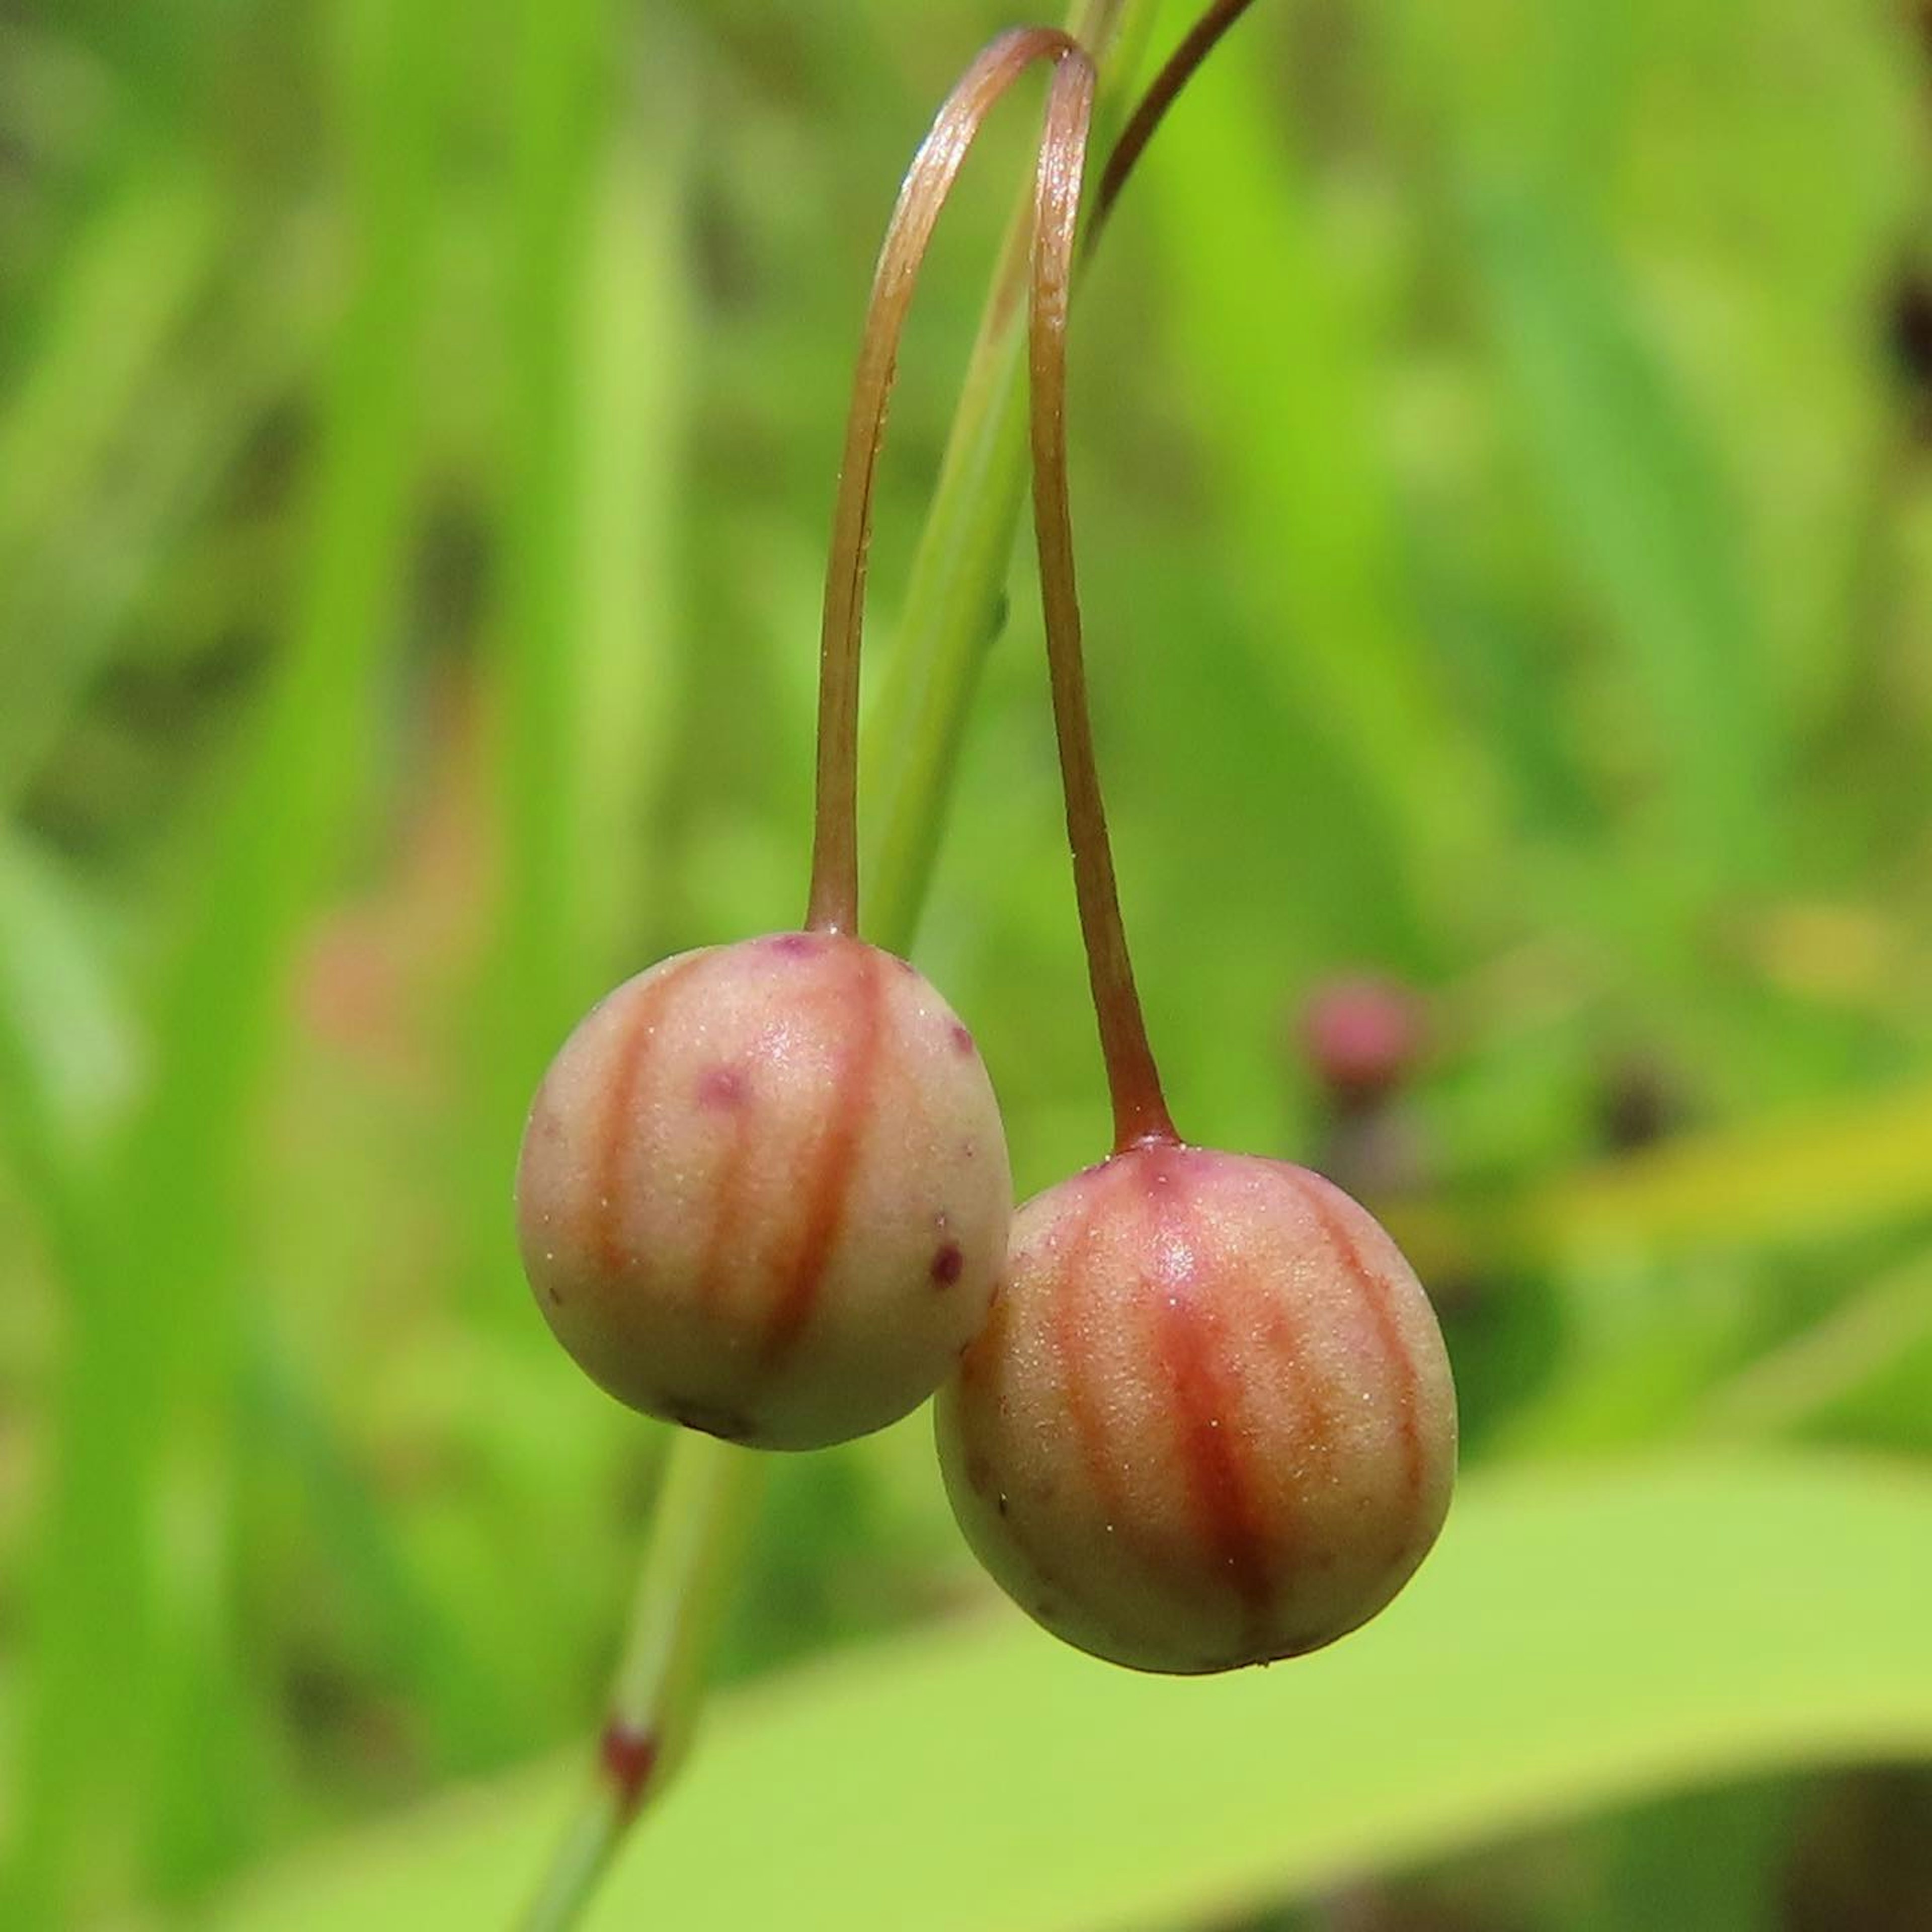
x=1201, y=1414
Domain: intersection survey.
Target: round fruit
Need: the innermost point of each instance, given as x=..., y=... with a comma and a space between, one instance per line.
x=763, y=1190
x=1210, y=1422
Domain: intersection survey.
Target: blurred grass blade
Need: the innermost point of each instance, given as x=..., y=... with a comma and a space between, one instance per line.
x=80, y=574
x=71, y=1054
x=585, y=662
x=1637, y=502
x=1873, y=1333
x=585, y=666
x=632, y=398
x=1578, y=1639
x=130, y=279
x=136, y=1750
x=1836, y=1170
x=582, y=637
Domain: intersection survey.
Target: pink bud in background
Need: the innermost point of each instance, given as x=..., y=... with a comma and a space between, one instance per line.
x=1361, y=1035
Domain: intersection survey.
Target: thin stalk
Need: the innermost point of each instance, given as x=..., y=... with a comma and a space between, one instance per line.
x=1140, y=1109
x=698, y=1532
x=834, y=898
x=1199, y=41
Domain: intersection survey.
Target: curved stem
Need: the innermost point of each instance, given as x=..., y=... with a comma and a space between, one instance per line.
x=1140, y=1109
x=833, y=903
x=1199, y=41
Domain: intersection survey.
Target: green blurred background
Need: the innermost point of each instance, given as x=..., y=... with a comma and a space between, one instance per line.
x=1501, y=437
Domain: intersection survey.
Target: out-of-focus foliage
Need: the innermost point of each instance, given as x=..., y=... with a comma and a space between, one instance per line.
x=1137, y=1801
x=1501, y=433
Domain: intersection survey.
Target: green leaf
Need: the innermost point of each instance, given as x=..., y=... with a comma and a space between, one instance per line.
x=1581, y=1637
x=137, y=1727
x=132, y=275
x=68, y=1049
x=1832, y=1170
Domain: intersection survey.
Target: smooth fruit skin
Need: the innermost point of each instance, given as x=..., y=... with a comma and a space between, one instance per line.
x=1210, y=1422
x=763, y=1190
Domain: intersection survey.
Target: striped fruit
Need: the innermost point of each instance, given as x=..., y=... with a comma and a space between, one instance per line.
x=763, y=1190
x=1210, y=1422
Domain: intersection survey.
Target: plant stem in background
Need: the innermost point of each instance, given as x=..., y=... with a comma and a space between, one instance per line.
x=703, y=1516
x=834, y=902
x=1140, y=1110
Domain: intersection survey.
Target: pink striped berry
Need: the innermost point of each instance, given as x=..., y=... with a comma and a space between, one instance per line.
x=1210, y=1421
x=763, y=1190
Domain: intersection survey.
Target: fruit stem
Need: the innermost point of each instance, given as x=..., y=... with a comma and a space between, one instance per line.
x=1140, y=1109
x=953, y=609
x=1199, y=41
x=833, y=901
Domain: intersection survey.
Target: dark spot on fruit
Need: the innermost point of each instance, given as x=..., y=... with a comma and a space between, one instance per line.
x=962, y=1039
x=948, y=1264
x=795, y=945
x=1002, y=1505
x=555, y=1295
x=628, y=1757
x=723, y=1086
x=904, y=965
